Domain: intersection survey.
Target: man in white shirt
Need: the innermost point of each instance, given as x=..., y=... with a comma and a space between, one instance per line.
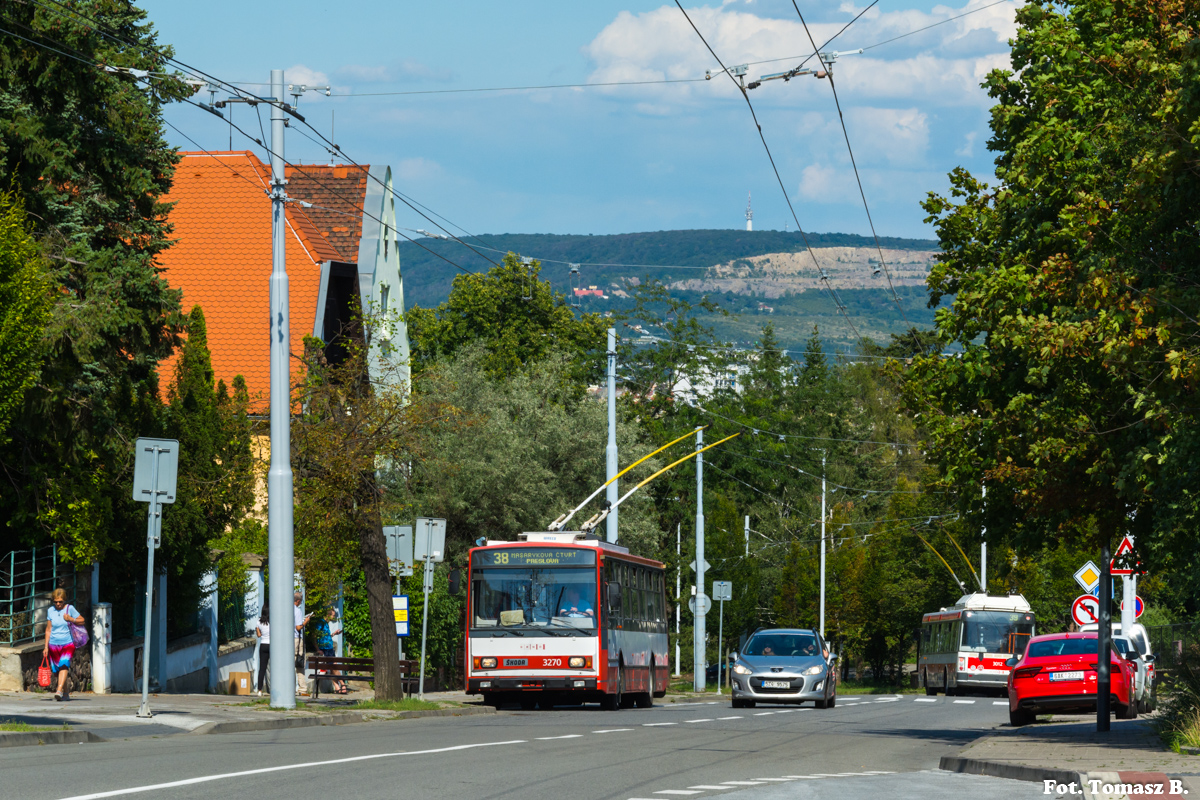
x=300, y=619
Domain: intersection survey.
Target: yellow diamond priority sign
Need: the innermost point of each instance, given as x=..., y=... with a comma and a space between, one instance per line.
x=1088, y=576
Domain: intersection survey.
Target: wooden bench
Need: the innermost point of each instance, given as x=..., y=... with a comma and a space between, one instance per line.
x=339, y=669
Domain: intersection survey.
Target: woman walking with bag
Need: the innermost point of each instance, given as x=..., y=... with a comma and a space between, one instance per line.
x=263, y=632
x=60, y=645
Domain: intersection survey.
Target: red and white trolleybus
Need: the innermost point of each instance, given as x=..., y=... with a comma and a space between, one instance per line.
x=966, y=646
x=564, y=617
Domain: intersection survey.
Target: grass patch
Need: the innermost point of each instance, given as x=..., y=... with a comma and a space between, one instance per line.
x=870, y=687
x=266, y=703
x=12, y=726
x=407, y=704
x=1180, y=730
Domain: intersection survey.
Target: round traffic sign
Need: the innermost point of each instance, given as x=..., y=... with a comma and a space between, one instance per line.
x=705, y=603
x=1137, y=609
x=1085, y=610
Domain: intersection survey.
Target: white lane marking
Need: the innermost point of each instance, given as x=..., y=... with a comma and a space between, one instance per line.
x=788, y=711
x=728, y=718
x=699, y=720
x=800, y=777
x=965, y=702
x=656, y=724
x=678, y=791
x=742, y=783
x=925, y=700
x=776, y=780
x=153, y=787
x=711, y=703
x=710, y=788
x=876, y=772
x=764, y=713
x=613, y=730
x=893, y=700
x=999, y=702
x=568, y=736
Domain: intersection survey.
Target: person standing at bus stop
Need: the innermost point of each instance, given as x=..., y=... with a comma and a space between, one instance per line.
x=301, y=619
x=60, y=645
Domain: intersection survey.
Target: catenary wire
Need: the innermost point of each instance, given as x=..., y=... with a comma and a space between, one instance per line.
x=829, y=289
x=853, y=163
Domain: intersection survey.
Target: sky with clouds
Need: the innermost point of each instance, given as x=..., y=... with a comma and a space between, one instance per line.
x=617, y=158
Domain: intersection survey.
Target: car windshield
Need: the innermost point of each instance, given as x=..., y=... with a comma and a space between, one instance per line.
x=996, y=631
x=515, y=598
x=782, y=644
x=1062, y=647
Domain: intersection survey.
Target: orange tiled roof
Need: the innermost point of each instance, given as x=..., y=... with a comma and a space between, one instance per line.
x=221, y=261
x=339, y=190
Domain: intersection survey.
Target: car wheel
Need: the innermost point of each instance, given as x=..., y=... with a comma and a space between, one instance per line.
x=822, y=703
x=1020, y=717
x=1128, y=711
x=738, y=703
x=832, y=700
x=931, y=691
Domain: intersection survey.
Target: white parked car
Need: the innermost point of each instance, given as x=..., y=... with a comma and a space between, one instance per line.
x=1139, y=642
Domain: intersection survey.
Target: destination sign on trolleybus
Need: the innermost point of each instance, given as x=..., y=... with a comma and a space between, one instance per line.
x=534, y=557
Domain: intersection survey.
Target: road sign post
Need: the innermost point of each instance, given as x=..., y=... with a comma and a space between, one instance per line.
x=154, y=475
x=430, y=547
x=1103, y=640
x=722, y=591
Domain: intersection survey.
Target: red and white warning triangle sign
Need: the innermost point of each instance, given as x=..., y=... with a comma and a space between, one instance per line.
x=1126, y=546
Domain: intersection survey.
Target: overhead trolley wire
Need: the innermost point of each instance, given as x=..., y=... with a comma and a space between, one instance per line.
x=862, y=193
x=829, y=289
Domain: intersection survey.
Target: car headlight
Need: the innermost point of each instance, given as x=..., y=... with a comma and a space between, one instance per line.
x=817, y=670
x=738, y=669
x=487, y=663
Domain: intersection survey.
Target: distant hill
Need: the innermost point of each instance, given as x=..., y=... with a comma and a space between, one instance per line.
x=604, y=259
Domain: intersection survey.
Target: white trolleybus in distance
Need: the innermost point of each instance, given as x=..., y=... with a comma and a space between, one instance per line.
x=563, y=618
x=965, y=647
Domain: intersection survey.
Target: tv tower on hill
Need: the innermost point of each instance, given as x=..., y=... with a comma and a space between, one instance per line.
x=749, y=214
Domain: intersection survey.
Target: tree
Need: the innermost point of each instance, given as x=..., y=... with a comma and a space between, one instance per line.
x=355, y=428
x=1074, y=284
x=85, y=150
x=518, y=317
x=25, y=303
x=216, y=471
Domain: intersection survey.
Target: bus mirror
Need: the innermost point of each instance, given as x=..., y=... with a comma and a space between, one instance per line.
x=614, y=595
x=455, y=581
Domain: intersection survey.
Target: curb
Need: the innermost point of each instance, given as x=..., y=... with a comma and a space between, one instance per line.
x=48, y=737
x=1003, y=769
x=345, y=718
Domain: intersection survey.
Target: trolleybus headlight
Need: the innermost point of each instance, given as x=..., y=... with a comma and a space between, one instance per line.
x=487, y=663
x=817, y=670
x=738, y=669
x=576, y=661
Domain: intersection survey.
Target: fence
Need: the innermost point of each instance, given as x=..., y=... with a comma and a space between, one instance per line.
x=231, y=617
x=1169, y=643
x=27, y=577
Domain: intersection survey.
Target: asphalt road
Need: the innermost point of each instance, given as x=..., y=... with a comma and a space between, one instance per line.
x=871, y=747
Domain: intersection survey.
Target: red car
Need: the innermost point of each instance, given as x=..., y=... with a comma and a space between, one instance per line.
x=1058, y=673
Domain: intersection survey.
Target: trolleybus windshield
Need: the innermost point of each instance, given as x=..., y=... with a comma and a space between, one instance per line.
x=996, y=631
x=545, y=597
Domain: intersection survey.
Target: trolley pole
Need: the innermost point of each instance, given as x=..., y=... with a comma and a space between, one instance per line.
x=279, y=480
x=611, y=451
x=699, y=645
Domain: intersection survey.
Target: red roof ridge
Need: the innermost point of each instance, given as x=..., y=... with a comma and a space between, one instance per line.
x=312, y=240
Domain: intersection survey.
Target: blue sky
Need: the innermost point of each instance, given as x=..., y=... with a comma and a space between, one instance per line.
x=614, y=159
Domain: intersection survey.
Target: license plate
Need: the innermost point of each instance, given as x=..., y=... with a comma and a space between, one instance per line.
x=776, y=685
x=1066, y=676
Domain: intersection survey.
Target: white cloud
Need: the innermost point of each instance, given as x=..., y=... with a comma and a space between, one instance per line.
x=407, y=70
x=968, y=148
x=900, y=135
x=825, y=184
x=305, y=75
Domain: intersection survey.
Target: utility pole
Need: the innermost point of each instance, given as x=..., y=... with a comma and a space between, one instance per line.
x=279, y=479
x=1104, y=640
x=611, y=451
x=983, y=549
x=1128, y=601
x=699, y=644
x=822, y=544
x=747, y=536
x=678, y=572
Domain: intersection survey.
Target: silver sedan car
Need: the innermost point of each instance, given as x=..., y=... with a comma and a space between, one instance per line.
x=784, y=665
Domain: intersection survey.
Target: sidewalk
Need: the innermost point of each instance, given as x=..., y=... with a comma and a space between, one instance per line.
x=90, y=717
x=1071, y=751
